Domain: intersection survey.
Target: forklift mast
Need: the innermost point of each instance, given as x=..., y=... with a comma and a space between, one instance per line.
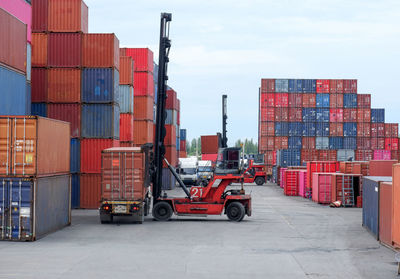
x=224, y=142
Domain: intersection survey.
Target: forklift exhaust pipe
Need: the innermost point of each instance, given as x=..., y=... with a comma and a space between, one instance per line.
x=178, y=179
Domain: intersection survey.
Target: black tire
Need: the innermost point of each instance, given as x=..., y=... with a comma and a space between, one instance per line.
x=259, y=180
x=162, y=211
x=106, y=218
x=235, y=211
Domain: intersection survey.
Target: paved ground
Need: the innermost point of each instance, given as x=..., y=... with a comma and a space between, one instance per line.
x=287, y=237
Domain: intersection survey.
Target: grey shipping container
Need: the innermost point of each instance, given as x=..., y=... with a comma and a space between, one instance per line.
x=126, y=98
x=345, y=155
x=33, y=207
x=168, y=180
x=322, y=143
x=281, y=85
x=100, y=121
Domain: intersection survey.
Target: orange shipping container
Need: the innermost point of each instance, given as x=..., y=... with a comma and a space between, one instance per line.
x=171, y=156
x=142, y=132
x=143, y=107
x=67, y=16
x=100, y=51
x=385, y=212
x=126, y=70
x=39, y=50
x=90, y=191
x=34, y=146
x=64, y=85
x=396, y=206
x=170, y=137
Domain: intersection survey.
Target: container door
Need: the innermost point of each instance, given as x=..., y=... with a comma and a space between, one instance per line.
x=24, y=146
x=5, y=146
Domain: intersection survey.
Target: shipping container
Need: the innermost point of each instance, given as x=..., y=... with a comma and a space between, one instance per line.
x=168, y=180
x=126, y=70
x=91, y=153
x=90, y=190
x=15, y=96
x=39, y=50
x=290, y=157
x=349, y=115
x=69, y=113
x=385, y=213
x=40, y=10
x=322, y=129
x=100, y=51
x=267, y=129
x=378, y=115
x=182, y=134
x=377, y=143
x=350, y=100
x=267, y=100
x=170, y=136
x=39, y=85
x=267, y=85
x=126, y=127
x=281, y=85
x=322, y=100
x=295, y=129
x=143, y=132
x=378, y=130
x=29, y=62
x=350, y=129
x=349, y=86
x=346, y=188
x=281, y=143
x=350, y=143
x=182, y=145
x=281, y=100
x=295, y=86
x=267, y=143
x=327, y=155
x=364, y=101
x=22, y=10
x=39, y=109
x=391, y=130
x=75, y=157
x=370, y=194
x=309, y=85
x=281, y=129
x=281, y=114
x=75, y=190
x=308, y=142
x=392, y=143
x=126, y=98
x=395, y=155
x=309, y=114
x=363, y=130
x=319, y=166
x=336, y=115
x=142, y=57
x=65, y=50
x=364, y=115
x=35, y=146
x=210, y=144
x=13, y=42
x=321, y=187
x=295, y=100
x=309, y=100
x=67, y=16
x=171, y=155
x=292, y=183
x=100, y=121
x=64, y=85
x=345, y=155
x=267, y=114
x=322, y=86
x=143, y=84
x=336, y=143
x=336, y=101
x=143, y=108
x=381, y=167
x=172, y=101
x=336, y=129
x=396, y=205
x=354, y=167
x=363, y=143
x=364, y=155
x=34, y=207
x=294, y=143
x=382, y=155
x=100, y=85
x=336, y=86
x=322, y=115
x=309, y=129
x=302, y=183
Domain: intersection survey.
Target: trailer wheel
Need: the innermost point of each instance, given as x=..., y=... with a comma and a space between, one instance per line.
x=162, y=211
x=260, y=180
x=235, y=211
x=106, y=218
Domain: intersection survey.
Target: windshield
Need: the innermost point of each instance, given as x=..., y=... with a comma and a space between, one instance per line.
x=188, y=171
x=205, y=169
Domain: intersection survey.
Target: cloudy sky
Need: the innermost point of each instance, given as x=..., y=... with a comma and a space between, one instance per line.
x=228, y=46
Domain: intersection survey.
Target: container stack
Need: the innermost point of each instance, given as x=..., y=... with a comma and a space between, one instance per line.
x=171, y=108
x=126, y=117
x=209, y=147
x=34, y=177
x=15, y=57
x=315, y=119
x=182, y=144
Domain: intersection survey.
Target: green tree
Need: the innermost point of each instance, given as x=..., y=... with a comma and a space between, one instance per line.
x=250, y=147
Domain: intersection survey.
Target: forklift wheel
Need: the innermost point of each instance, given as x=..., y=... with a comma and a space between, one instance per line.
x=162, y=211
x=235, y=211
x=260, y=181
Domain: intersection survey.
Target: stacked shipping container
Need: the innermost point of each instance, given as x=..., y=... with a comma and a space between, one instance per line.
x=182, y=144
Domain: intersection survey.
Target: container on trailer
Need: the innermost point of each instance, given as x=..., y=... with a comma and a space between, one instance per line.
x=336, y=129
x=364, y=143
x=364, y=130
x=100, y=51
x=363, y=115
x=322, y=129
x=126, y=127
x=126, y=98
x=281, y=129
x=336, y=100
x=295, y=129
x=295, y=100
x=385, y=213
x=75, y=190
x=322, y=100
x=64, y=50
x=345, y=155
x=292, y=183
x=309, y=129
x=294, y=142
x=335, y=143
x=143, y=58
x=322, y=86
x=67, y=16
x=370, y=213
x=34, y=207
x=39, y=50
x=308, y=142
x=381, y=167
x=377, y=143
x=350, y=129
x=100, y=121
x=309, y=114
x=391, y=130
x=349, y=115
x=35, y=146
x=39, y=109
x=39, y=85
x=350, y=100
x=90, y=189
x=267, y=85
x=378, y=115
x=349, y=86
x=143, y=84
x=322, y=115
x=364, y=101
x=350, y=143
x=100, y=85
x=309, y=100
x=91, y=153
x=75, y=157
x=281, y=85
x=63, y=85
x=321, y=187
x=281, y=114
x=15, y=96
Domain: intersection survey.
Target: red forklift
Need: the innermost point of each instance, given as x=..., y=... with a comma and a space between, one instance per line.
x=255, y=172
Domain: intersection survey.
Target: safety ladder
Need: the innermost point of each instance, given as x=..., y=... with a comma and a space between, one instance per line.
x=348, y=191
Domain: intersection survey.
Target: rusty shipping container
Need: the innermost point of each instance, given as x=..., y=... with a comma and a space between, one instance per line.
x=126, y=70
x=39, y=50
x=64, y=50
x=90, y=190
x=69, y=113
x=67, y=16
x=34, y=146
x=64, y=85
x=100, y=51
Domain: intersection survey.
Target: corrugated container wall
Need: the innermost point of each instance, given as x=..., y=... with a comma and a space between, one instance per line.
x=22, y=10
x=40, y=11
x=100, y=51
x=142, y=57
x=67, y=16
x=100, y=85
x=65, y=50
x=67, y=112
x=100, y=121
x=63, y=85
x=126, y=98
x=126, y=70
x=90, y=190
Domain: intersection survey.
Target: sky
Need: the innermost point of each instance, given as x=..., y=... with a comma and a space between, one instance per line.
x=226, y=47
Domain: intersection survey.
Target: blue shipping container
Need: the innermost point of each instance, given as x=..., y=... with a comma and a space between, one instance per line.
x=309, y=114
x=309, y=129
x=294, y=143
x=182, y=133
x=100, y=85
x=126, y=98
x=290, y=157
x=370, y=197
x=43, y=202
x=75, y=190
x=100, y=121
x=322, y=100
x=322, y=129
x=281, y=129
x=350, y=100
x=378, y=115
x=309, y=85
x=281, y=85
x=178, y=144
x=295, y=86
x=322, y=114
x=292, y=86
x=350, y=129
x=14, y=92
x=295, y=129
x=335, y=143
x=350, y=143
x=75, y=159
x=39, y=109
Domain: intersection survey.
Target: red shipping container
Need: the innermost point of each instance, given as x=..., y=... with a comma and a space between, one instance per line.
x=269, y=158
x=323, y=85
x=349, y=115
x=281, y=143
x=210, y=144
x=281, y=100
x=13, y=42
x=336, y=101
x=363, y=115
x=209, y=157
x=39, y=50
x=308, y=143
x=392, y=143
x=320, y=166
x=40, y=17
x=90, y=191
x=378, y=130
x=327, y=155
x=64, y=50
x=267, y=100
x=267, y=114
x=142, y=57
x=364, y=155
x=170, y=136
x=385, y=213
x=171, y=156
x=381, y=167
x=182, y=154
x=100, y=51
x=67, y=16
x=336, y=86
x=182, y=145
x=322, y=188
x=336, y=129
x=336, y=115
x=363, y=143
x=267, y=85
x=391, y=130
x=126, y=70
x=395, y=155
x=349, y=86
x=126, y=127
x=39, y=85
x=281, y=114
x=91, y=153
x=143, y=107
x=267, y=129
x=262, y=145
x=364, y=101
x=309, y=100
x=172, y=100
x=64, y=85
x=143, y=84
x=295, y=115
x=308, y=155
x=363, y=130
x=67, y=112
x=295, y=100
x=126, y=144
x=291, y=183
x=377, y=143
x=143, y=131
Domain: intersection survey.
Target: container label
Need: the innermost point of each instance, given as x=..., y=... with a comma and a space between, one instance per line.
x=108, y=187
x=376, y=189
x=25, y=211
x=28, y=158
x=115, y=162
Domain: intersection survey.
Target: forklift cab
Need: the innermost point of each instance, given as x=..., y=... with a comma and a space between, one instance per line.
x=228, y=161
